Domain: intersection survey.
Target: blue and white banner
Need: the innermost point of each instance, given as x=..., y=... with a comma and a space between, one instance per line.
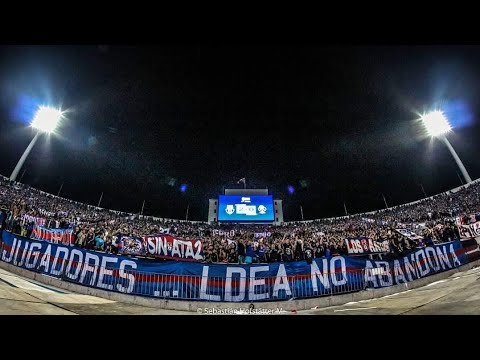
x=225, y=282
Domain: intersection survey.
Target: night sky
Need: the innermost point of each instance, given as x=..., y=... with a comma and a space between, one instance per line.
x=336, y=123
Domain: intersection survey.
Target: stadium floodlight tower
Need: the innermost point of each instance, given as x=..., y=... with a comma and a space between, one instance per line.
x=437, y=125
x=45, y=121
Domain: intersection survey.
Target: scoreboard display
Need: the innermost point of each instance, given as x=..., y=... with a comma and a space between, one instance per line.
x=245, y=208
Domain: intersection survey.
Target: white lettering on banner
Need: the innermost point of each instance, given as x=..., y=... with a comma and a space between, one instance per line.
x=54, y=271
x=230, y=233
x=88, y=268
x=443, y=257
x=432, y=258
x=454, y=256
x=409, y=234
x=160, y=245
x=151, y=246
x=104, y=271
x=12, y=249
x=420, y=257
x=126, y=276
x=15, y=256
x=333, y=272
x=45, y=260
x=203, y=287
x=198, y=247
x=61, y=255
x=366, y=245
x=189, y=251
x=351, y=246
x=36, y=254
x=263, y=234
x=24, y=253
x=476, y=228
x=281, y=282
x=322, y=276
x=357, y=246
x=157, y=245
x=369, y=276
x=410, y=267
x=465, y=231
x=257, y=282
x=398, y=272
x=241, y=287
x=56, y=236
x=371, y=246
x=175, y=250
x=77, y=264
x=385, y=273
x=329, y=271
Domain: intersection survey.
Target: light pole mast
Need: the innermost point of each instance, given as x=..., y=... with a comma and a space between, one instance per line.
x=20, y=162
x=437, y=125
x=459, y=162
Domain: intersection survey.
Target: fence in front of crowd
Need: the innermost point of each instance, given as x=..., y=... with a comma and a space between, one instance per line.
x=226, y=282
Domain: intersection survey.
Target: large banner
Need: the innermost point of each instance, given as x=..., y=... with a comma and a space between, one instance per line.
x=262, y=234
x=164, y=230
x=469, y=231
x=409, y=234
x=36, y=220
x=229, y=233
x=225, y=282
x=169, y=247
x=363, y=245
x=63, y=236
x=130, y=245
x=161, y=246
x=468, y=226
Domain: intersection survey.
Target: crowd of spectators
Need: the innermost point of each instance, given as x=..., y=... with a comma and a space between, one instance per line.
x=433, y=219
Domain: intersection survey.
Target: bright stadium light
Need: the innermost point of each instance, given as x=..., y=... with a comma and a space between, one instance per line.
x=45, y=121
x=437, y=125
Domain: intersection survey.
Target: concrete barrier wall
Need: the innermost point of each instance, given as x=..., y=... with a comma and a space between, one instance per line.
x=186, y=305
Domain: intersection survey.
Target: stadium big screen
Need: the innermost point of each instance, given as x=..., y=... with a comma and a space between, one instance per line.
x=245, y=208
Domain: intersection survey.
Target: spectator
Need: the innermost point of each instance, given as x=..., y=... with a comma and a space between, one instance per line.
x=431, y=221
x=241, y=252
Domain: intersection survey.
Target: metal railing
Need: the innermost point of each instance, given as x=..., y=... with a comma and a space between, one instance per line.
x=193, y=287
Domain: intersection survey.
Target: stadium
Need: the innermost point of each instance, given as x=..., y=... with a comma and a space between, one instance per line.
x=244, y=245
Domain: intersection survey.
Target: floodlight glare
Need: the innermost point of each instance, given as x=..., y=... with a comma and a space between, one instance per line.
x=436, y=123
x=46, y=119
